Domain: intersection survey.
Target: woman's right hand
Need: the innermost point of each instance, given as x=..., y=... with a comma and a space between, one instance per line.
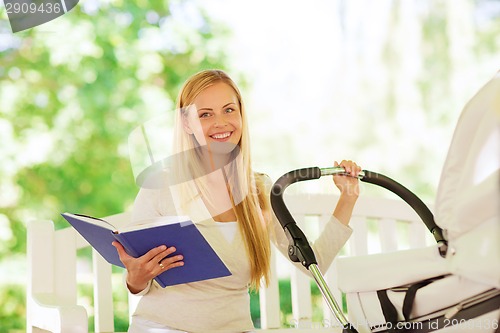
x=143, y=269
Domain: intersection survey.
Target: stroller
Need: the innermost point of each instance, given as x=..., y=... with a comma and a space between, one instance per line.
x=453, y=286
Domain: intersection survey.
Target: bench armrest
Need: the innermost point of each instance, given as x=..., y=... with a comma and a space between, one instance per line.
x=48, y=314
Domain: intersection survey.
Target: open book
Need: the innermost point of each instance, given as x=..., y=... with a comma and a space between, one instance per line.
x=200, y=260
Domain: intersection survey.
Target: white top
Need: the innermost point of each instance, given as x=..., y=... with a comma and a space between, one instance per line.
x=228, y=229
x=223, y=304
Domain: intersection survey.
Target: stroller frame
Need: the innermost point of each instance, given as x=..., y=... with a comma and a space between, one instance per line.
x=299, y=249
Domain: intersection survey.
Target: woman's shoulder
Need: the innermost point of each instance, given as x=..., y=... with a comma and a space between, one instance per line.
x=263, y=179
x=261, y=176
x=152, y=202
x=145, y=204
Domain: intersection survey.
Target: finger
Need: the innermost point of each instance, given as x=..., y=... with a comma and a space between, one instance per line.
x=121, y=251
x=154, y=252
x=168, y=263
x=341, y=165
x=351, y=168
x=346, y=165
x=164, y=254
x=171, y=262
x=358, y=169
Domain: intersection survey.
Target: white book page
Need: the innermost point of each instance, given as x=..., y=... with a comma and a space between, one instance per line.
x=93, y=220
x=154, y=222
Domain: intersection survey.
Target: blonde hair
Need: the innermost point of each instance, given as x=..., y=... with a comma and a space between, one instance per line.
x=252, y=205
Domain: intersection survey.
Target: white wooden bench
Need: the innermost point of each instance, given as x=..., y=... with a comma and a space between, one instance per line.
x=53, y=303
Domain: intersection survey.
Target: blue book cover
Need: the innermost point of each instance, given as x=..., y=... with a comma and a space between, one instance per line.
x=201, y=262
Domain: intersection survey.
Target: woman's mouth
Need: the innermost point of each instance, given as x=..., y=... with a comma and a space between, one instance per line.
x=221, y=136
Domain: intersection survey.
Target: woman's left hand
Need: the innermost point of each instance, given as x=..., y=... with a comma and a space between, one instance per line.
x=348, y=185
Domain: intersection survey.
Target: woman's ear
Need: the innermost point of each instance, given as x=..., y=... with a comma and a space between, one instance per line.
x=186, y=113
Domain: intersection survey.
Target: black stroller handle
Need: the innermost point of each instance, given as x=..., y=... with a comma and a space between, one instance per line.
x=285, y=218
x=299, y=249
x=411, y=199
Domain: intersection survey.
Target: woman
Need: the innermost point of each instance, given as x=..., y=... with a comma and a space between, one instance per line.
x=212, y=182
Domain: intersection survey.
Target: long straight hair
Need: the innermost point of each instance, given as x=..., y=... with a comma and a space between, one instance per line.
x=246, y=188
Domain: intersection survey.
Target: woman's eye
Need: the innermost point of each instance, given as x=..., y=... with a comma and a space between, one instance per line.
x=204, y=115
x=229, y=110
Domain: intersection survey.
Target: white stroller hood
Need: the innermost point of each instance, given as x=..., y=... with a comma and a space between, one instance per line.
x=468, y=189
x=467, y=203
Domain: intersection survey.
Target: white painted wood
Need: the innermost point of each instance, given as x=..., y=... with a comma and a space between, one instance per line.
x=103, y=295
x=388, y=236
x=269, y=297
x=65, y=266
x=358, y=244
x=48, y=307
x=417, y=235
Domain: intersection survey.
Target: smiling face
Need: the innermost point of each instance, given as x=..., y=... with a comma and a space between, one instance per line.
x=215, y=119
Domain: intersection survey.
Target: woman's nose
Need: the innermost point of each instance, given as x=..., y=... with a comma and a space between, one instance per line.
x=220, y=121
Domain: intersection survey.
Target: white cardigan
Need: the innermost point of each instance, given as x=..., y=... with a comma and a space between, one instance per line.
x=223, y=304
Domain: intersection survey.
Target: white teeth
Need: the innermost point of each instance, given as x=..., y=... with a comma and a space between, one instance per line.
x=221, y=135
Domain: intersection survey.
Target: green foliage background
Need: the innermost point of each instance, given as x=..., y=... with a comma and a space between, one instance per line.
x=74, y=89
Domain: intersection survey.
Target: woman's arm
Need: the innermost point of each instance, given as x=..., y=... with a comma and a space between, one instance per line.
x=349, y=191
x=336, y=231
